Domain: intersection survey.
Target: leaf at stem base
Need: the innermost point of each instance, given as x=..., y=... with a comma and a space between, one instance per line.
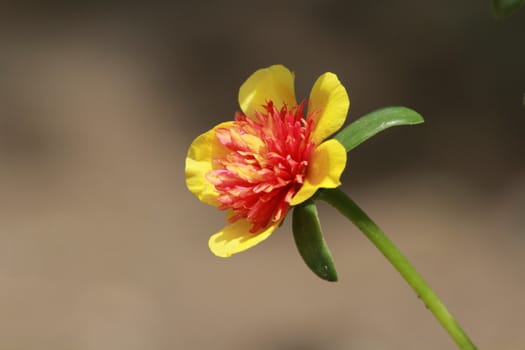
x=309, y=240
x=375, y=122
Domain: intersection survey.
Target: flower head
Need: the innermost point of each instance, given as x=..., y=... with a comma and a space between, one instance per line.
x=270, y=157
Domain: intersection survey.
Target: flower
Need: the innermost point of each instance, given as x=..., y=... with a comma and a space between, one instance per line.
x=271, y=157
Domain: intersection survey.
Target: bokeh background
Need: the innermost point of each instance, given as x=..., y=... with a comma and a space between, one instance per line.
x=102, y=247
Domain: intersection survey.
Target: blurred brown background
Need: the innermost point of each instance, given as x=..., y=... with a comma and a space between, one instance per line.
x=102, y=246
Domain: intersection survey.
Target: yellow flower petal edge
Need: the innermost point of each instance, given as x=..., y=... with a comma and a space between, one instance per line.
x=329, y=97
x=235, y=238
x=275, y=83
x=199, y=162
x=326, y=165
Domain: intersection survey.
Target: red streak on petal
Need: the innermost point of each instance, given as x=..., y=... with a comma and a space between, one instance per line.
x=266, y=163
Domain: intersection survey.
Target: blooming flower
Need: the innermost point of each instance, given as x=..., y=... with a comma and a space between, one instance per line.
x=271, y=157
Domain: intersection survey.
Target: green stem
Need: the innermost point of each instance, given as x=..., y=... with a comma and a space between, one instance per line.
x=348, y=208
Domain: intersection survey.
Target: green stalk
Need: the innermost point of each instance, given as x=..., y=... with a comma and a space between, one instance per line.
x=348, y=208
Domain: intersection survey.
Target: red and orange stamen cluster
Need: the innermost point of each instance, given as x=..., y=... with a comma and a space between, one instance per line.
x=266, y=163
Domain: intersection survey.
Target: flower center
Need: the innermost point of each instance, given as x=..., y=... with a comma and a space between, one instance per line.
x=265, y=163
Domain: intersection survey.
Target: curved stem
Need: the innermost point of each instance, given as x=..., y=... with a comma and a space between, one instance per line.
x=348, y=208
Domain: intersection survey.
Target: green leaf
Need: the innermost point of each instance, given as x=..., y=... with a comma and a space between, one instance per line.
x=374, y=122
x=310, y=242
x=505, y=8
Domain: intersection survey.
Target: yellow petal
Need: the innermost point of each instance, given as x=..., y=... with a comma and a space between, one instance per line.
x=326, y=165
x=236, y=237
x=329, y=98
x=275, y=83
x=199, y=162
